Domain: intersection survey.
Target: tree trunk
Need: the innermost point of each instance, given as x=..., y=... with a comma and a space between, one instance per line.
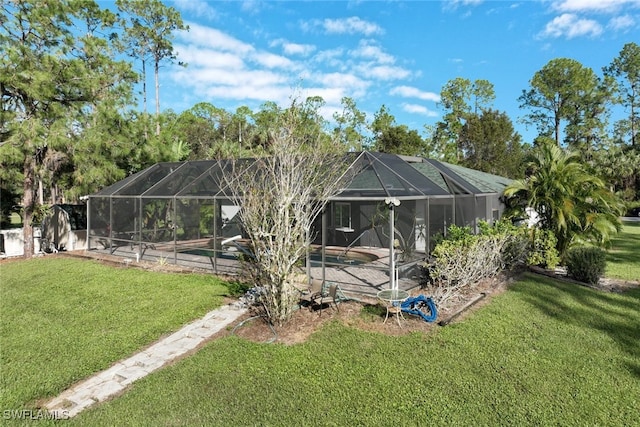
x=144, y=85
x=157, y=75
x=28, y=203
x=633, y=126
x=144, y=98
x=40, y=191
x=54, y=194
x=557, y=128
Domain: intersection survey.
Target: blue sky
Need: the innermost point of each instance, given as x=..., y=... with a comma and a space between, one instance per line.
x=396, y=53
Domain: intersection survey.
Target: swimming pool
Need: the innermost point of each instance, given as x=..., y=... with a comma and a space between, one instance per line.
x=210, y=253
x=316, y=260
x=332, y=256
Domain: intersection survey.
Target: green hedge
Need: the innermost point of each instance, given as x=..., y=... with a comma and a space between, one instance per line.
x=586, y=264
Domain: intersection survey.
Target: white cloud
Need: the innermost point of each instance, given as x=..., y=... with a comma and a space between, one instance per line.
x=198, y=57
x=228, y=70
x=197, y=7
x=271, y=60
x=298, y=49
x=293, y=48
x=455, y=4
x=330, y=95
x=621, y=23
x=345, y=80
x=419, y=109
x=366, y=49
x=573, y=23
x=214, y=39
x=597, y=6
x=330, y=57
x=277, y=93
x=347, y=83
x=352, y=25
x=569, y=25
x=412, y=92
x=253, y=6
x=205, y=78
x=383, y=72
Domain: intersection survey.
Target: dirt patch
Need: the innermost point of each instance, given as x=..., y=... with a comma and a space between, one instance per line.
x=604, y=284
x=616, y=285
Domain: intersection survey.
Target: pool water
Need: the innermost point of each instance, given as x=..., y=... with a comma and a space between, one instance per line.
x=316, y=257
x=316, y=260
x=211, y=253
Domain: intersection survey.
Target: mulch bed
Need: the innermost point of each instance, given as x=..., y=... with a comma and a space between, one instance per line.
x=305, y=322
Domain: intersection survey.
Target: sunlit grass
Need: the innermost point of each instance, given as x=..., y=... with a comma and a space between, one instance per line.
x=623, y=259
x=64, y=319
x=544, y=353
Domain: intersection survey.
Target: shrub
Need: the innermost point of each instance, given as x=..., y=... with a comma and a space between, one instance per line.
x=542, y=248
x=586, y=264
x=633, y=209
x=456, y=233
x=516, y=247
x=462, y=259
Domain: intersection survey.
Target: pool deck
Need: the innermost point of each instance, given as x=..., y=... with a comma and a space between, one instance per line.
x=354, y=280
x=364, y=279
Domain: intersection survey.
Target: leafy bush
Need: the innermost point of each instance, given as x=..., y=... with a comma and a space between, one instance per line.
x=39, y=213
x=459, y=234
x=542, y=248
x=516, y=248
x=633, y=209
x=586, y=264
x=462, y=259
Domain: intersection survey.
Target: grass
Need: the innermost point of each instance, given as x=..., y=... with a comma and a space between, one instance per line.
x=12, y=221
x=64, y=319
x=544, y=353
x=16, y=219
x=623, y=259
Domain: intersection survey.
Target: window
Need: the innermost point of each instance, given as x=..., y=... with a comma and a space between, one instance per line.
x=342, y=220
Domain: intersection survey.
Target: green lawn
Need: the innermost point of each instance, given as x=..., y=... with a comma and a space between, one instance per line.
x=623, y=259
x=63, y=319
x=543, y=353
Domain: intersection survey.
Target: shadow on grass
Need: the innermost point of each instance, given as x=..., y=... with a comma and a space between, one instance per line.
x=616, y=315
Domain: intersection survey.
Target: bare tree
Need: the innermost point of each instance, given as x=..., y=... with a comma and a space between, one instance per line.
x=280, y=195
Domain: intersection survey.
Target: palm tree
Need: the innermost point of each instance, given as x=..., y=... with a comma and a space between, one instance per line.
x=571, y=201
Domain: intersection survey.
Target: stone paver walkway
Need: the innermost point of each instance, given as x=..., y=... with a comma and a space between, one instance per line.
x=118, y=377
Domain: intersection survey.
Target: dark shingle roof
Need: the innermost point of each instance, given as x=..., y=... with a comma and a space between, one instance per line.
x=378, y=176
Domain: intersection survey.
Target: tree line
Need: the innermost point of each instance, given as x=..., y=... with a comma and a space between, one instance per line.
x=69, y=125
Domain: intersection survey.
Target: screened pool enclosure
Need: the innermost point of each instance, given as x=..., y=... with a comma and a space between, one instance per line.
x=373, y=234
